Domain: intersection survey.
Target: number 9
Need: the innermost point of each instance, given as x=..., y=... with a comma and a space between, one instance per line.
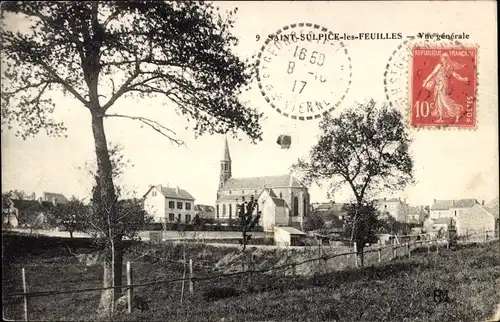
x=257, y=37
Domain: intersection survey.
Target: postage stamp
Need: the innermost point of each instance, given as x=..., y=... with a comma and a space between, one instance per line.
x=443, y=86
x=304, y=71
x=435, y=83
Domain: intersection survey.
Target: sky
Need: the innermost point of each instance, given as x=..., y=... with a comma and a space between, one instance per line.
x=449, y=164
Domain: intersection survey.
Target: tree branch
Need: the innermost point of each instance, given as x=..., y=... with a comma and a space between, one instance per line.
x=153, y=124
x=65, y=84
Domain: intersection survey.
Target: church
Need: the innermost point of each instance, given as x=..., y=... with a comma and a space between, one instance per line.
x=283, y=200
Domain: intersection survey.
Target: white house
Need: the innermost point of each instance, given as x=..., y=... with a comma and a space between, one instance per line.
x=274, y=211
x=450, y=208
x=169, y=204
x=287, y=236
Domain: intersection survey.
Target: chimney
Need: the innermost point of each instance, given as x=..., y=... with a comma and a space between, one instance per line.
x=482, y=202
x=177, y=189
x=434, y=200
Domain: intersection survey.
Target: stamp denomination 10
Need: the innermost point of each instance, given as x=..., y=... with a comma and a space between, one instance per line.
x=303, y=79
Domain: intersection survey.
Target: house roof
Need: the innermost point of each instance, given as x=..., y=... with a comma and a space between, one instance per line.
x=32, y=205
x=60, y=198
x=204, y=208
x=174, y=193
x=387, y=200
x=447, y=204
x=258, y=183
x=493, y=207
x=291, y=230
x=279, y=202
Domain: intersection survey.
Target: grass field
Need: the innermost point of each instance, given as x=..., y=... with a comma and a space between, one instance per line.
x=399, y=290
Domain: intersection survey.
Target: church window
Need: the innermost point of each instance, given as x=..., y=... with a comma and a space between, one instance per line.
x=295, y=206
x=222, y=166
x=230, y=210
x=304, y=210
x=225, y=166
x=217, y=211
x=223, y=210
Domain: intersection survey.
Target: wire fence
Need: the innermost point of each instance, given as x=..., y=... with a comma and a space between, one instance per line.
x=324, y=263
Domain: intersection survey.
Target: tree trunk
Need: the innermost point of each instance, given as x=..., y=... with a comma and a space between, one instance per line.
x=106, y=210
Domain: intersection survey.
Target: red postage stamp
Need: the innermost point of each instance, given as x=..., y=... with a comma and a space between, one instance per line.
x=443, y=84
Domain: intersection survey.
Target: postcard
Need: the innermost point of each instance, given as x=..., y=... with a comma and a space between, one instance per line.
x=250, y=161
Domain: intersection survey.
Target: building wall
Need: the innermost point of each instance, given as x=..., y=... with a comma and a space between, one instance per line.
x=179, y=213
x=154, y=204
x=435, y=214
x=281, y=237
x=474, y=220
x=396, y=209
x=272, y=215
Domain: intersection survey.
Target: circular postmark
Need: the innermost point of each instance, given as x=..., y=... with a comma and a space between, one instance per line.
x=433, y=82
x=304, y=71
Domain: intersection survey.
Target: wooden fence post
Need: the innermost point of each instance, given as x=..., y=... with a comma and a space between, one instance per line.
x=485, y=235
x=437, y=246
x=408, y=248
x=393, y=251
x=25, y=291
x=379, y=251
x=355, y=255
x=129, y=289
x=191, y=275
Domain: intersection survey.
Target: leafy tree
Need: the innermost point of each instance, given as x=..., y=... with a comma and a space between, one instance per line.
x=102, y=51
x=72, y=215
x=365, y=148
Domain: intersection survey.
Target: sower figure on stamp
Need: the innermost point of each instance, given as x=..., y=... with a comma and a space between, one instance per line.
x=437, y=84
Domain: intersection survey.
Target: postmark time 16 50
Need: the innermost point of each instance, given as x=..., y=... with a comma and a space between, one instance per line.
x=306, y=79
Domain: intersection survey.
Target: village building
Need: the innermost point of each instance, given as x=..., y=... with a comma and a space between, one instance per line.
x=468, y=216
x=417, y=214
x=282, y=195
x=394, y=207
x=288, y=236
x=26, y=213
x=205, y=211
x=169, y=205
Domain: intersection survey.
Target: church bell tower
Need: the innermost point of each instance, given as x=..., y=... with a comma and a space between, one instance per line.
x=225, y=166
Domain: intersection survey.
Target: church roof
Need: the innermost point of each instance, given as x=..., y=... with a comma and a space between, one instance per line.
x=279, y=202
x=258, y=183
x=226, y=156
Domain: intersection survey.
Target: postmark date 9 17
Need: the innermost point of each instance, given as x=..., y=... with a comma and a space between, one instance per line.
x=303, y=80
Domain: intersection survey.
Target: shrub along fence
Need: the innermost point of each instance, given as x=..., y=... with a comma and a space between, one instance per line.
x=248, y=270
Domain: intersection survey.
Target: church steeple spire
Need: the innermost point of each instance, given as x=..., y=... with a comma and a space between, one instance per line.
x=226, y=156
x=225, y=166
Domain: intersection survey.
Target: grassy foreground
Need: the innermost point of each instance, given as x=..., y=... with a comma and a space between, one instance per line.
x=400, y=290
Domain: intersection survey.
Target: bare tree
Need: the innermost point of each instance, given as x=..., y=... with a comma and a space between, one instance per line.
x=99, y=52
